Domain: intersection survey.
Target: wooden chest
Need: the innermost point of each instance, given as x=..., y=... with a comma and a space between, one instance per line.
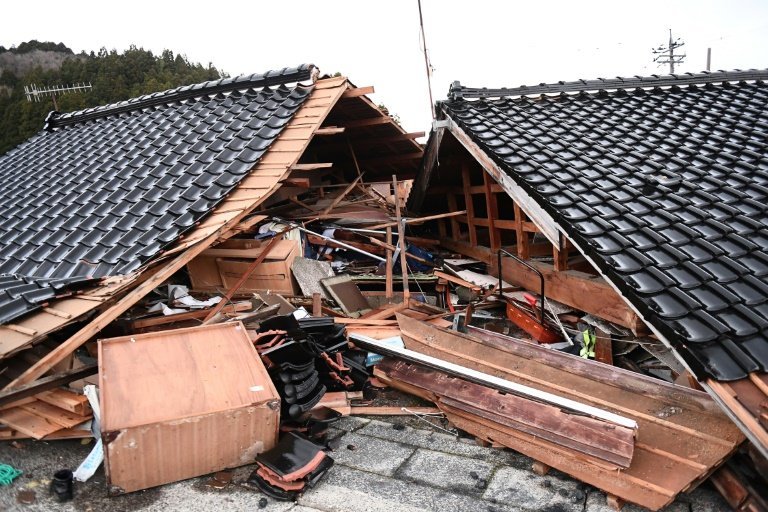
x=183, y=403
x=216, y=270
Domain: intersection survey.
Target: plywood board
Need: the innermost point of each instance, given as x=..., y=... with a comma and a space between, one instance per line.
x=170, y=375
x=347, y=295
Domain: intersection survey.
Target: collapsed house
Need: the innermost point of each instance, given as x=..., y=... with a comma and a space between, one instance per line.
x=557, y=273
x=649, y=195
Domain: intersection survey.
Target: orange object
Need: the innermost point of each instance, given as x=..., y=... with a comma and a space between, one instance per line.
x=541, y=332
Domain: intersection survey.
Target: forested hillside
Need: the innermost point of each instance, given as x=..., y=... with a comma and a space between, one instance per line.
x=114, y=76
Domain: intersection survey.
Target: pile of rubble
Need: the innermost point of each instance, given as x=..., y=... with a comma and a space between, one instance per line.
x=304, y=290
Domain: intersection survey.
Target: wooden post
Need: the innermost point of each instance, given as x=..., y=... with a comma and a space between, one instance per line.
x=401, y=241
x=317, y=305
x=603, y=347
x=389, y=292
x=523, y=250
x=492, y=208
x=453, y=207
x=560, y=254
x=470, y=206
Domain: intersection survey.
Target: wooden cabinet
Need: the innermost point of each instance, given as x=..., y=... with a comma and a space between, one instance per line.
x=183, y=403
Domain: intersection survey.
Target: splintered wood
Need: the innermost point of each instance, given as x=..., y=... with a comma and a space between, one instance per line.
x=682, y=435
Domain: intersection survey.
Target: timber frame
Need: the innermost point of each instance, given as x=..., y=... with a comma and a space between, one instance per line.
x=498, y=213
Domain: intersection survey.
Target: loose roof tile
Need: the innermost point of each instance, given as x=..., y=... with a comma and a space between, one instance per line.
x=101, y=191
x=663, y=182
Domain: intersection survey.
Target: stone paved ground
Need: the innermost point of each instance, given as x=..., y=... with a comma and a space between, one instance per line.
x=379, y=467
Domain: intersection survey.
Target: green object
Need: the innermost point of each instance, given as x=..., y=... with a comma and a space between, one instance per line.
x=8, y=474
x=588, y=350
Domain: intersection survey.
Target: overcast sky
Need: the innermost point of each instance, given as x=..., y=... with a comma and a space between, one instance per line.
x=480, y=42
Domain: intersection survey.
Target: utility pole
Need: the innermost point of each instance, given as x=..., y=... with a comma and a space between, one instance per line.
x=666, y=54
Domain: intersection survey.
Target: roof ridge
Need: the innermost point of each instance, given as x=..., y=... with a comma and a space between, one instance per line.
x=458, y=91
x=274, y=77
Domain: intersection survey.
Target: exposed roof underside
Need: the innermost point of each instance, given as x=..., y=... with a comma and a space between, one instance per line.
x=102, y=191
x=665, y=189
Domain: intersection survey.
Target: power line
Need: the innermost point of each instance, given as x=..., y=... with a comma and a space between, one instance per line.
x=666, y=54
x=426, y=62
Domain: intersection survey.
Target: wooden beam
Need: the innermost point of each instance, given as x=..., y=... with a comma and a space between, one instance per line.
x=393, y=159
x=393, y=411
x=311, y=166
x=586, y=292
x=356, y=92
x=419, y=220
x=297, y=182
x=341, y=196
x=329, y=130
x=536, y=213
x=371, y=121
x=46, y=383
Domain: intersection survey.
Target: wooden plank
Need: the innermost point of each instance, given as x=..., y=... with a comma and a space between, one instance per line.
x=56, y=414
x=393, y=411
x=154, y=321
x=381, y=314
x=605, y=441
x=47, y=383
x=456, y=280
x=675, y=420
x=586, y=292
x=329, y=130
x=363, y=321
x=67, y=400
x=311, y=167
x=486, y=379
x=357, y=91
x=371, y=121
x=28, y=423
x=747, y=421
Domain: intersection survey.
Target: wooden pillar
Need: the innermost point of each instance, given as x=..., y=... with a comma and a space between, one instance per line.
x=523, y=249
x=389, y=293
x=560, y=254
x=401, y=241
x=492, y=208
x=470, y=206
x=453, y=207
x=603, y=347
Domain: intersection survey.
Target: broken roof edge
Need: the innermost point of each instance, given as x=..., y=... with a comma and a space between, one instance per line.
x=255, y=80
x=459, y=92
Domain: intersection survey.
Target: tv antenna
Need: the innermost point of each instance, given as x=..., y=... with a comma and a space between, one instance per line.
x=666, y=54
x=34, y=94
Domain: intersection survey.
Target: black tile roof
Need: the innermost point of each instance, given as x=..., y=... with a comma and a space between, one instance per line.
x=663, y=182
x=101, y=191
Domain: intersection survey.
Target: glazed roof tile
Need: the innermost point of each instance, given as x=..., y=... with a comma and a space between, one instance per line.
x=663, y=182
x=101, y=191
